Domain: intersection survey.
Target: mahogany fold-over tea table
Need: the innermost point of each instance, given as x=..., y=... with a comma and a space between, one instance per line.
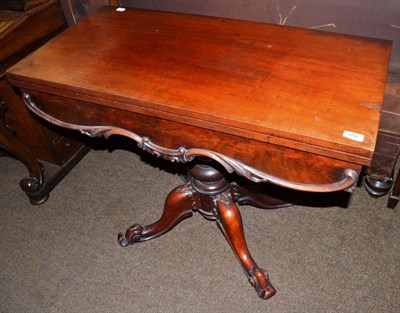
x=281, y=105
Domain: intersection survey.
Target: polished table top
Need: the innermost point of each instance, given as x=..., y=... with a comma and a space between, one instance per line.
x=255, y=79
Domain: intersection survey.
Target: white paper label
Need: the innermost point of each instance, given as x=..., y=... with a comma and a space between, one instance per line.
x=353, y=136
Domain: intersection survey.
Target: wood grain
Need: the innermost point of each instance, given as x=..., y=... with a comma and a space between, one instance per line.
x=295, y=87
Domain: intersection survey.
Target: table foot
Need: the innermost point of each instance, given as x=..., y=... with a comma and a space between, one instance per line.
x=258, y=278
x=178, y=206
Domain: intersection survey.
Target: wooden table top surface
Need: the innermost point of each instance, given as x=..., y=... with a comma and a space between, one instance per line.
x=252, y=79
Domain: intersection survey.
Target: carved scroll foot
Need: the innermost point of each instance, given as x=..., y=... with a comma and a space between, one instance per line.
x=230, y=222
x=259, y=278
x=36, y=192
x=178, y=206
x=132, y=234
x=33, y=184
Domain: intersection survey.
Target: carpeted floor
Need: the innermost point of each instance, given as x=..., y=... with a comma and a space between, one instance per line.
x=63, y=256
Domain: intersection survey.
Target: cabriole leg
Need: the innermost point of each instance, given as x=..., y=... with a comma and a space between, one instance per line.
x=178, y=206
x=230, y=222
x=216, y=196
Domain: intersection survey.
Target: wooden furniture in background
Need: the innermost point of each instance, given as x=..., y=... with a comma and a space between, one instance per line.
x=293, y=107
x=75, y=10
x=48, y=156
x=380, y=178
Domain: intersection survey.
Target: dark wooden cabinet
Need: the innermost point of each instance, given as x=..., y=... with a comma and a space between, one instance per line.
x=47, y=152
x=381, y=177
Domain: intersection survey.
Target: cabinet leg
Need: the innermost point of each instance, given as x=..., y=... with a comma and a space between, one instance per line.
x=32, y=184
x=377, y=188
x=394, y=195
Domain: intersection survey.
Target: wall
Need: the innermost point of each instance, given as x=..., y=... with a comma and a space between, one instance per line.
x=371, y=18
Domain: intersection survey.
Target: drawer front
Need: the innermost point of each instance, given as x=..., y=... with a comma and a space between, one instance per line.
x=64, y=148
x=42, y=139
